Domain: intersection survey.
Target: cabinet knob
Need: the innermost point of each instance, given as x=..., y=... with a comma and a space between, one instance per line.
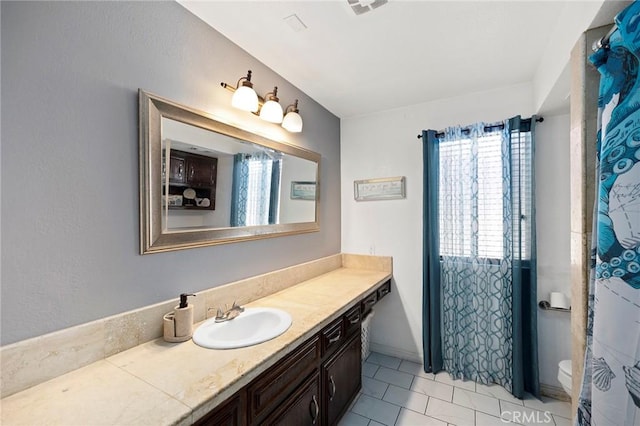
x=314, y=409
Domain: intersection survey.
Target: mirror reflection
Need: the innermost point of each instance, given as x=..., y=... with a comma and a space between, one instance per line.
x=211, y=180
x=204, y=182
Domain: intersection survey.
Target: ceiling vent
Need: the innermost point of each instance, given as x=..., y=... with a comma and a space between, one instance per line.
x=363, y=6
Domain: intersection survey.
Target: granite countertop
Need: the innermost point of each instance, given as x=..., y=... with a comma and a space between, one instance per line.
x=177, y=383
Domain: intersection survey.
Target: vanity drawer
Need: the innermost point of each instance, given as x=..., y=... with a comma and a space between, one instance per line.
x=267, y=390
x=368, y=302
x=352, y=320
x=332, y=336
x=384, y=289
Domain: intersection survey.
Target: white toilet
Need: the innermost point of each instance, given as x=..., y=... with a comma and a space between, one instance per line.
x=564, y=375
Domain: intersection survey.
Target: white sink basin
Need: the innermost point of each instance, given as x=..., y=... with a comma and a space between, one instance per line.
x=253, y=326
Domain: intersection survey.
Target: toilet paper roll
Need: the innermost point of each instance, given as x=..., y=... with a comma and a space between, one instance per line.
x=558, y=300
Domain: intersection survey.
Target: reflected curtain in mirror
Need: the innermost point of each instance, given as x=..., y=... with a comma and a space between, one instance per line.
x=256, y=189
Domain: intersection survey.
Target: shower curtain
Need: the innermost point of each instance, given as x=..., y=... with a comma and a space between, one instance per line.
x=610, y=393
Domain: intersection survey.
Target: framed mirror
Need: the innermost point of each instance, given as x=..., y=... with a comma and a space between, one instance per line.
x=205, y=182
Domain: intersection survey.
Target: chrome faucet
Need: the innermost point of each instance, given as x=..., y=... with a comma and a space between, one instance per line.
x=229, y=314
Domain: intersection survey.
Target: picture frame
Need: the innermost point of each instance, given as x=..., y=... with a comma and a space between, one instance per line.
x=303, y=190
x=379, y=189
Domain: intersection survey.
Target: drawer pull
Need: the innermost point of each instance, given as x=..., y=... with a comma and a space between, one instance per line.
x=335, y=339
x=314, y=410
x=370, y=301
x=384, y=291
x=332, y=389
x=354, y=321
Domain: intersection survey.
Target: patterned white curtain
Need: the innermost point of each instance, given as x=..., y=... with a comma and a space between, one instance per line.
x=475, y=249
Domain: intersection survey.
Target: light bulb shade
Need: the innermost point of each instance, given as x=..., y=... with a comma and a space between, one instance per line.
x=245, y=98
x=292, y=122
x=271, y=111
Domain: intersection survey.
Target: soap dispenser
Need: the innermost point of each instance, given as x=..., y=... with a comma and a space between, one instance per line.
x=178, y=325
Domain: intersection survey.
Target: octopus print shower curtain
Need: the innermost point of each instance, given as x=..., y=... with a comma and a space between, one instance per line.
x=610, y=393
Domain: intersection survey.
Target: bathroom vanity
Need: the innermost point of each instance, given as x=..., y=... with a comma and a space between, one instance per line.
x=313, y=385
x=307, y=375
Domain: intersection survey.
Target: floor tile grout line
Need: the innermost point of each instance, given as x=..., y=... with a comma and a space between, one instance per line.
x=429, y=398
x=402, y=407
x=501, y=402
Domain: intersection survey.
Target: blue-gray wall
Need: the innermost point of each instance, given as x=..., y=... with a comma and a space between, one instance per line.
x=70, y=77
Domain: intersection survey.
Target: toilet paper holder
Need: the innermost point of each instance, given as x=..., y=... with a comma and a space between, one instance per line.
x=546, y=306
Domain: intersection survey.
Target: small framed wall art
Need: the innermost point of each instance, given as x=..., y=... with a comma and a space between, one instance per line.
x=379, y=189
x=303, y=190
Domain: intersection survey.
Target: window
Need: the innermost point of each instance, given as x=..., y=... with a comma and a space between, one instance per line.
x=471, y=201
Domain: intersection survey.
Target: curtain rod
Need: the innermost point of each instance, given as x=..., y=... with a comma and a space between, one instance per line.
x=487, y=128
x=604, y=41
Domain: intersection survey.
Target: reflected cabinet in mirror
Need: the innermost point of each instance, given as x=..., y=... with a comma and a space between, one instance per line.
x=204, y=182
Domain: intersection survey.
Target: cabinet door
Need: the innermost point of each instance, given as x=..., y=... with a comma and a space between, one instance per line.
x=201, y=171
x=301, y=408
x=342, y=379
x=275, y=384
x=177, y=169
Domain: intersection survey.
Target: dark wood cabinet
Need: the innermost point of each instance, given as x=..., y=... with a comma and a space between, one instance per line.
x=177, y=169
x=231, y=413
x=352, y=321
x=301, y=408
x=272, y=386
x=332, y=336
x=373, y=297
x=368, y=302
x=201, y=171
x=384, y=289
x=312, y=385
x=341, y=378
x=194, y=172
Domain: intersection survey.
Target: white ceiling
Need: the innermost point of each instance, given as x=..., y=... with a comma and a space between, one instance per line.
x=402, y=53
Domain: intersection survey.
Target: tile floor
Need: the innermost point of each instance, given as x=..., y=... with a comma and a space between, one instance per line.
x=398, y=392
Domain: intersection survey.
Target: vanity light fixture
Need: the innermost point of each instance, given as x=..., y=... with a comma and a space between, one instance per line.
x=292, y=121
x=245, y=98
x=271, y=110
